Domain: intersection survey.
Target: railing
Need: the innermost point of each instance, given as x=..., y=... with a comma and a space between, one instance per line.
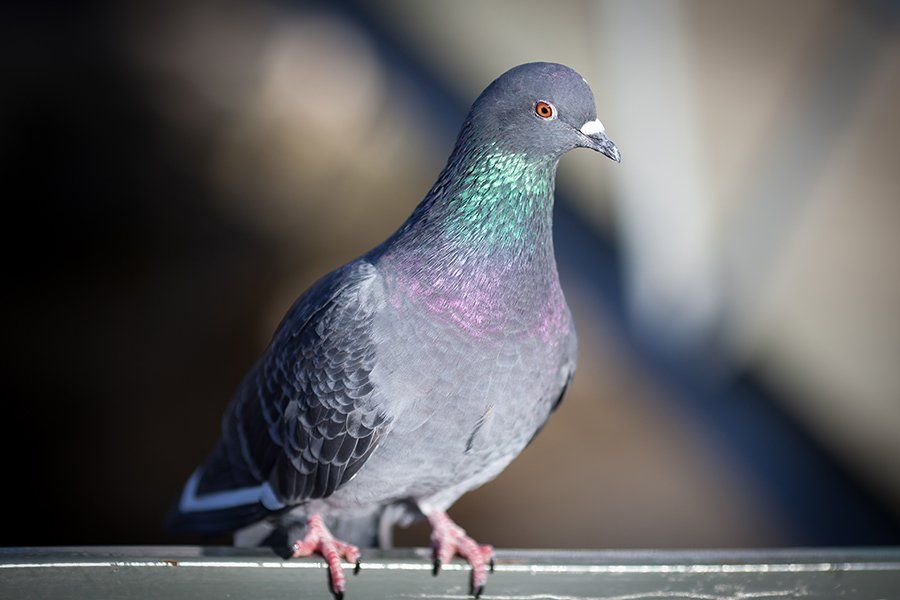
x=196, y=573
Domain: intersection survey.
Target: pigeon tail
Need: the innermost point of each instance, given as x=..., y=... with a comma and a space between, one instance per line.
x=211, y=504
x=214, y=522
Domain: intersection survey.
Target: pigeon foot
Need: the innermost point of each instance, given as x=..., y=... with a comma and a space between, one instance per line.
x=449, y=539
x=319, y=540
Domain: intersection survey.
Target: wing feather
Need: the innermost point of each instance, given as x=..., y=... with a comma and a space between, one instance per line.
x=307, y=416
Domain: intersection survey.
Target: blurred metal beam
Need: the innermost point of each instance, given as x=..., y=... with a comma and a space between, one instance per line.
x=663, y=207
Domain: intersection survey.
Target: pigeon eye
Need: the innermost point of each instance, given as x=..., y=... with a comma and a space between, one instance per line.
x=544, y=110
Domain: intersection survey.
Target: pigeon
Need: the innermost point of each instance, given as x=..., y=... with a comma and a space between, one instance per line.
x=420, y=370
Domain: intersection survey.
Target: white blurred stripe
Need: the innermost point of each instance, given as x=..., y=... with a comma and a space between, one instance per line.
x=664, y=208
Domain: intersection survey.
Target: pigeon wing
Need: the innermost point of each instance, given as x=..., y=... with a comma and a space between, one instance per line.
x=307, y=416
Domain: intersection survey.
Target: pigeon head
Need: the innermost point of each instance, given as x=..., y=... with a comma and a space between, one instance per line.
x=494, y=198
x=540, y=109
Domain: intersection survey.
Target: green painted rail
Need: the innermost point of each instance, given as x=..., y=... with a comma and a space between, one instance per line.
x=197, y=573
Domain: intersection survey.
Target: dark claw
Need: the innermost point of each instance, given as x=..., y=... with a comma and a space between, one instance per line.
x=491, y=565
x=358, y=567
x=339, y=596
x=437, y=567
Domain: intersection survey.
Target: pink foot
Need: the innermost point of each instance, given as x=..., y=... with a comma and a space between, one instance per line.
x=319, y=540
x=449, y=539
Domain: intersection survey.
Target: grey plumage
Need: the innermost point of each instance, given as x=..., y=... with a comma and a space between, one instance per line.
x=420, y=370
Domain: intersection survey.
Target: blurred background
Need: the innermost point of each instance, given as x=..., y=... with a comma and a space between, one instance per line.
x=178, y=172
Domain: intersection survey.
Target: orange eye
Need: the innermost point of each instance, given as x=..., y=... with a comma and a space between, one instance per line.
x=544, y=110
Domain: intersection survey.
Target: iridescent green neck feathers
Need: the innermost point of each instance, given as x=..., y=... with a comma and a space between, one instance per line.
x=501, y=200
x=486, y=199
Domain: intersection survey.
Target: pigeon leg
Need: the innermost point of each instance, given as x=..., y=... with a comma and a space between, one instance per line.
x=449, y=539
x=319, y=540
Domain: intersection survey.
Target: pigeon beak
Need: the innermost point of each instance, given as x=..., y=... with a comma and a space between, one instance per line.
x=593, y=136
x=604, y=146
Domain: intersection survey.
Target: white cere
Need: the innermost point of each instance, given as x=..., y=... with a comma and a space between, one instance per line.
x=593, y=127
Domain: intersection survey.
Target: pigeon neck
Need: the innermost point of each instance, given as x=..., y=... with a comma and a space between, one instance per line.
x=478, y=250
x=486, y=202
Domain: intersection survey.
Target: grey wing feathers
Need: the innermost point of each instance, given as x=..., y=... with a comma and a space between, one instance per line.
x=306, y=418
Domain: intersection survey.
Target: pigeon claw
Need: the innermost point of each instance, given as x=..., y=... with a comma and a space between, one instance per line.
x=449, y=539
x=319, y=540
